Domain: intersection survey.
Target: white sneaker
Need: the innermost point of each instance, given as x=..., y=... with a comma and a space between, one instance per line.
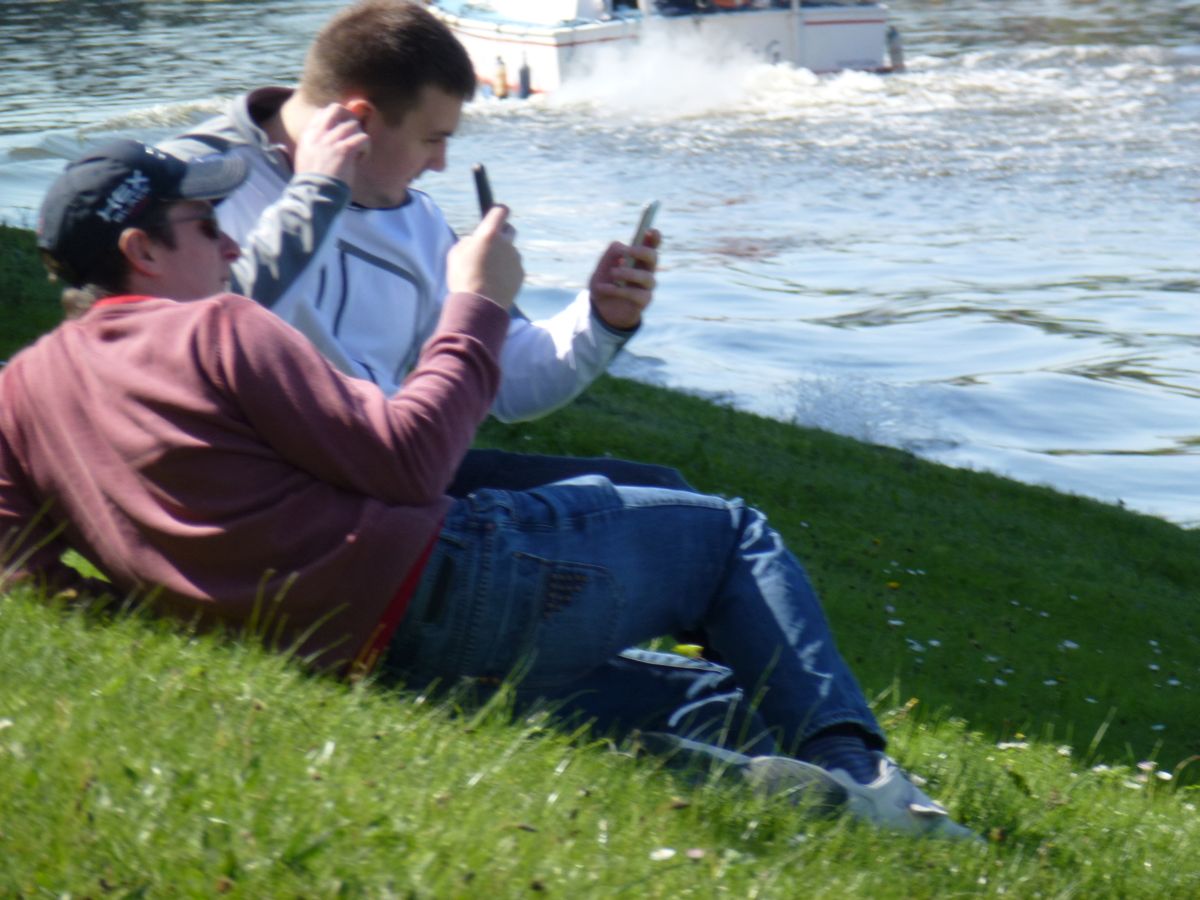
x=802, y=782
x=894, y=803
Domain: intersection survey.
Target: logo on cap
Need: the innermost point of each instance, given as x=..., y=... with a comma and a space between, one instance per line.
x=126, y=197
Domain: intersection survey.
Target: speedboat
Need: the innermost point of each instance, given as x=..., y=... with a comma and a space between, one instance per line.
x=520, y=47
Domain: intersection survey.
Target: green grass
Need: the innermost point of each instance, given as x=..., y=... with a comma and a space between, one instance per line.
x=139, y=761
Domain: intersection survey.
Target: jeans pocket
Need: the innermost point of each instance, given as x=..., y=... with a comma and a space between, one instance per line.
x=572, y=619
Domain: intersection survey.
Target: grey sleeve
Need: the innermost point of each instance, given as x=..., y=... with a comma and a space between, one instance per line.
x=279, y=237
x=280, y=243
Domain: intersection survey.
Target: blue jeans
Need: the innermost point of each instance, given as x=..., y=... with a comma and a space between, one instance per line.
x=553, y=583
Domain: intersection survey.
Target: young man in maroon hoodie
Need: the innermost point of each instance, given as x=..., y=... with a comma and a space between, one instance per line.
x=201, y=451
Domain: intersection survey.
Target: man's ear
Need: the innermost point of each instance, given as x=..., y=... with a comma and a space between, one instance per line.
x=142, y=252
x=363, y=110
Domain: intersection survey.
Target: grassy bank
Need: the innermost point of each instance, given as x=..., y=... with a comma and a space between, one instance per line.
x=1028, y=650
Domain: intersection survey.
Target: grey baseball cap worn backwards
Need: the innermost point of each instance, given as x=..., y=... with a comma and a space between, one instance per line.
x=107, y=189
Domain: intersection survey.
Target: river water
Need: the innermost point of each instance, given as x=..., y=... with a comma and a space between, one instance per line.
x=989, y=259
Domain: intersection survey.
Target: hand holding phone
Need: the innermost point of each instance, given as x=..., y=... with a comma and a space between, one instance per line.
x=483, y=188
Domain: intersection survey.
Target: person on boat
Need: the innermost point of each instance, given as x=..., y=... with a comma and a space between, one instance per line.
x=201, y=452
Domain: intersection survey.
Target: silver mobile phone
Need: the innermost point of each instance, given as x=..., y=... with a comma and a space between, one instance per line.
x=645, y=223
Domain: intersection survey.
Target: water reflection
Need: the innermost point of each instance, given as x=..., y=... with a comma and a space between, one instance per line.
x=66, y=58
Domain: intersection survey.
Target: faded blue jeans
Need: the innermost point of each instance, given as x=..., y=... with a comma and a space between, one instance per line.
x=552, y=584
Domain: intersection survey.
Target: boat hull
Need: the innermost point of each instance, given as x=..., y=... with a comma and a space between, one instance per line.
x=820, y=38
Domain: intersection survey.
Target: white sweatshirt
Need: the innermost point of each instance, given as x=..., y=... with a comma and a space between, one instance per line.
x=367, y=285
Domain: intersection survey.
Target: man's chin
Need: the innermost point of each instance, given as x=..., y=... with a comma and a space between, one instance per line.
x=380, y=200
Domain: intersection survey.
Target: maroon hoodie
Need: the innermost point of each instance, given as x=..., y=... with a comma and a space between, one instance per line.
x=204, y=452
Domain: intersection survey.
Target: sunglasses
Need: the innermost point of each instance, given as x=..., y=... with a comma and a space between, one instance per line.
x=209, y=226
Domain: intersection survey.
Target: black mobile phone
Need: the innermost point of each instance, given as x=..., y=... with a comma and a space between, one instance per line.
x=483, y=188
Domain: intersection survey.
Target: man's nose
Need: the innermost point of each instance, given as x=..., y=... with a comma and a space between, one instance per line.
x=229, y=248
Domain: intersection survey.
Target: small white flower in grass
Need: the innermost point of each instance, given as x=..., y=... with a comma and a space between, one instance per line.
x=5, y=723
x=1100, y=768
x=934, y=642
x=662, y=853
x=1147, y=765
x=992, y=658
x=999, y=682
x=1190, y=807
x=1013, y=745
x=895, y=623
x=1153, y=667
x=1133, y=785
x=1163, y=776
x=1158, y=727
x=1050, y=682
x=1064, y=750
x=1090, y=700
x=1068, y=645
x=1174, y=682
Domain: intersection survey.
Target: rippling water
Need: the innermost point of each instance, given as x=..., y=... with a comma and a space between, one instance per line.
x=989, y=259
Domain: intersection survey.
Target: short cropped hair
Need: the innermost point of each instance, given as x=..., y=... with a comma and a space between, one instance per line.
x=389, y=50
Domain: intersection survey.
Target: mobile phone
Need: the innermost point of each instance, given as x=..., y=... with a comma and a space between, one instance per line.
x=483, y=188
x=644, y=223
